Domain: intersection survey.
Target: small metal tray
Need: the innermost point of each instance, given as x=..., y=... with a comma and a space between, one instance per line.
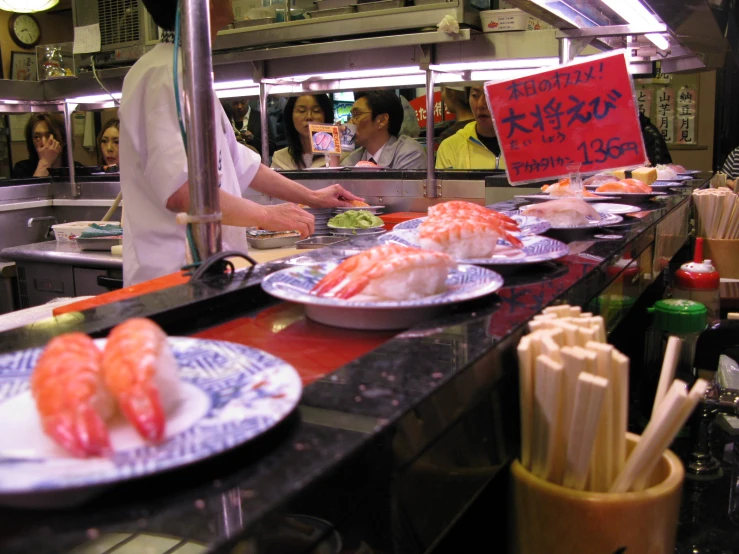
x=380, y=5
x=335, y=11
x=319, y=242
x=263, y=241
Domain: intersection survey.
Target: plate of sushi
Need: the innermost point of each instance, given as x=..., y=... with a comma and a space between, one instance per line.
x=568, y=213
x=459, y=209
x=484, y=237
x=390, y=286
x=73, y=421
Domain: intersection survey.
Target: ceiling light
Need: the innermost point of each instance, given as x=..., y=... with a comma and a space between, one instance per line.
x=524, y=63
x=234, y=84
x=634, y=13
x=27, y=6
x=238, y=92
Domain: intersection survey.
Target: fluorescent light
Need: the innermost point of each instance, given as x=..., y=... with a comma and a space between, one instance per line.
x=238, y=92
x=496, y=64
x=234, y=84
x=93, y=99
x=635, y=13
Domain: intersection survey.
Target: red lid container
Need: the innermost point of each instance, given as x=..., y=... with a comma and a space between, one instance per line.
x=698, y=274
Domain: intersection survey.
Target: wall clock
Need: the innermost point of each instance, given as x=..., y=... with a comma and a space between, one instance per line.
x=24, y=30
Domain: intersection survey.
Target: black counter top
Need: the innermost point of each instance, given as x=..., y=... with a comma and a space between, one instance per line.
x=360, y=428
x=63, y=253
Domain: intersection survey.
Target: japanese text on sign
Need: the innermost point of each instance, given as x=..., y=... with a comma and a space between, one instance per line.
x=579, y=113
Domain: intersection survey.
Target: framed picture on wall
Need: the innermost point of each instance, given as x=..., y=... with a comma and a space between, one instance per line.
x=23, y=66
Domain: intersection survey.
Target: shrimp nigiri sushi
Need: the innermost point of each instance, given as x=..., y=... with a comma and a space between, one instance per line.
x=463, y=238
x=565, y=212
x=70, y=397
x=140, y=371
x=388, y=272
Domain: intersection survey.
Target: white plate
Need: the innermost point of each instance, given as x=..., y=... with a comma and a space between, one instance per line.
x=679, y=177
x=465, y=282
x=612, y=208
x=689, y=172
x=535, y=249
x=547, y=198
x=664, y=185
x=605, y=219
x=232, y=394
x=632, y=196
x=528, y=225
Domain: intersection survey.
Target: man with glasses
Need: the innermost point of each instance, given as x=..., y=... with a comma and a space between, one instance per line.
x=475, y=146
x=378, y=116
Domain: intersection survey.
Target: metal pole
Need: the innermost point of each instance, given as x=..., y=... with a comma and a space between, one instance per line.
x=265, y=122
x=68, y=109
x=200, y=124
x=565, y=50
x=430, y=171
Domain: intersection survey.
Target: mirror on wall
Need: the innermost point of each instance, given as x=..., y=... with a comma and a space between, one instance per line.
x=35, y=144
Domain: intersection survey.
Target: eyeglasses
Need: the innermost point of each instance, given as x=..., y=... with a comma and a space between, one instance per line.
x=356, y=113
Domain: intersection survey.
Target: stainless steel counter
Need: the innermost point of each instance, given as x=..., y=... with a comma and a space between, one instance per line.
x=52, y=252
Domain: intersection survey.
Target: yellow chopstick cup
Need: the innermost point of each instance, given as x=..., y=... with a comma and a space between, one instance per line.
x=553, y=519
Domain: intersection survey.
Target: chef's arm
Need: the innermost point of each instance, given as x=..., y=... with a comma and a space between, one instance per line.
x=272, y=183
x=241, y=212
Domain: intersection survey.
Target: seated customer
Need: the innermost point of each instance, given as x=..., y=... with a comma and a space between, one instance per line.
x=108, y=145
x=46, y=147
x=301, y=111
x=475, y=146
x=456, y=102
x=378, y=116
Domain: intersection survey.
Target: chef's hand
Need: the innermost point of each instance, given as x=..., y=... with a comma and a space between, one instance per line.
x=49, y=151
x=287, y=217
x=333, y=197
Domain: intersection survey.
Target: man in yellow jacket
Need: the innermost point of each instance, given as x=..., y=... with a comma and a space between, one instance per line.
x=475, y=146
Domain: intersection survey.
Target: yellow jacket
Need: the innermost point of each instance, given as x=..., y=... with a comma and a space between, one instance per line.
x=463, y=150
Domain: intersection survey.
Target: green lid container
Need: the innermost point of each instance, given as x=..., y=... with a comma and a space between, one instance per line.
x=678, y=316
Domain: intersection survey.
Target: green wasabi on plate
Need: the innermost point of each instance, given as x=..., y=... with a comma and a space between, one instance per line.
x=355, y=219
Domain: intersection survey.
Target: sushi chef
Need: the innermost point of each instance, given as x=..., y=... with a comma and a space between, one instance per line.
x=475, y=146
x=154, y=179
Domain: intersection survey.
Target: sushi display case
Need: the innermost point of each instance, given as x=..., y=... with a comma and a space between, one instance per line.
x=402, y=438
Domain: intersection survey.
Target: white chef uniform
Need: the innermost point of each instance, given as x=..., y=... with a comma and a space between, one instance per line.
x=154, y=166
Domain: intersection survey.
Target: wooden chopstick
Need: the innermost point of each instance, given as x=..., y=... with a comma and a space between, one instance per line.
x=589, y=394
x=601, y=467
x=620, y=383
x=667, y=374
x=549, y=380
x=526, y=397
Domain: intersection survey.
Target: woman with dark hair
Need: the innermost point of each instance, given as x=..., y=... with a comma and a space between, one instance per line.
x=301, y=111
x=108, y=144
x=46, y=147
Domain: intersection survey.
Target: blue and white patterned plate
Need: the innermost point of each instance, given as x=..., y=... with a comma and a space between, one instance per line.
x=605, y=219
x=528, y=225
x=689, y=172
x=547, y=197
x=535, y=249
x=465, y=282
x=230, y=395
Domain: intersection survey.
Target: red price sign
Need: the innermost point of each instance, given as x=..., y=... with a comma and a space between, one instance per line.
x=577, y=113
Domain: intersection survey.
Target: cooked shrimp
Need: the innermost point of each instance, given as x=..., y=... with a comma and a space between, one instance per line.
x=618, y=187
x=140, y=371
x=388, y=272
x=457, y=206
x=473, y=237
x=70, y=397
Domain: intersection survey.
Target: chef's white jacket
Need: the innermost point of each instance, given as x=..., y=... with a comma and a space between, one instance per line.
x=154, y=166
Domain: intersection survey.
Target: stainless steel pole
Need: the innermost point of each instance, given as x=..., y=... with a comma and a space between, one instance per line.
x=430, y=173
x=68, y=109
x=200, y=124
x=565, y=50
x=264, y=119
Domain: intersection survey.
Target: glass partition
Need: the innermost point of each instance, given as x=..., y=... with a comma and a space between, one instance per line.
x=95, y=139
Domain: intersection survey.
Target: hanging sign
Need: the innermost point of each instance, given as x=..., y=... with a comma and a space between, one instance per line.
x=580, y=113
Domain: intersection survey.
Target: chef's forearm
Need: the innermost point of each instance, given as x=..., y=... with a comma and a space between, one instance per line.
x=272, y=183
x=236, y=211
